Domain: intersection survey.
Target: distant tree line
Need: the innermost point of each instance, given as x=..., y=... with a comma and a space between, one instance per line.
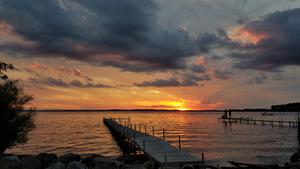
x=286, y=107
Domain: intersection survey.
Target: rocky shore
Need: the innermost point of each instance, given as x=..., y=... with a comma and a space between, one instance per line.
x=73, y=161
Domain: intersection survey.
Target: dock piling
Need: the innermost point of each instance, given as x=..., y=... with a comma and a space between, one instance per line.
x=179, y=143
x=165, y=157
x=153, y=131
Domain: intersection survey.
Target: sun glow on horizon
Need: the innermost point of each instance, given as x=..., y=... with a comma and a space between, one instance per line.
x=183, y=109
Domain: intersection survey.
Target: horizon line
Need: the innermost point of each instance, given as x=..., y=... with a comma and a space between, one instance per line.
x=191, y=110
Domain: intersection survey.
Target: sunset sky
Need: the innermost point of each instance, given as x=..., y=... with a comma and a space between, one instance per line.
x=153, y=54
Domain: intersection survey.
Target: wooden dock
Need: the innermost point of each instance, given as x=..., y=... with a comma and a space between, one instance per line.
x=156, y=148
x=243, y=120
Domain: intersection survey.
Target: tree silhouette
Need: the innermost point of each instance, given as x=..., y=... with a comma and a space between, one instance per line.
x=15, y=123
x=4, y=67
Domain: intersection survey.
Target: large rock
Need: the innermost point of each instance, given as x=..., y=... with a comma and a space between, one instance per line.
x=67, y=158
x=132, y=166
x=107, y=165
x=149, y=165
x=57, y=165
x=188, y=167
x=125, y=159
x=47, y=159
x=295, y=157
x=167, y=167
x=88, y=160
x=9, y=162
x=101, y=162
x=76, y=165
x=30, y=162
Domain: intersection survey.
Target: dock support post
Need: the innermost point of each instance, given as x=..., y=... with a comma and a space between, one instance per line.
x=144, y=145
x=179, y=143
x=134, y=152
x=152, y=130
x=164, y=137
x=202, y=158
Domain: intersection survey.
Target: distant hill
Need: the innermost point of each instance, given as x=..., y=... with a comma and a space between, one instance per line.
x=286, y=107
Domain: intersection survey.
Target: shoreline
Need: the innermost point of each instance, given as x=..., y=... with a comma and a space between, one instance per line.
x=97, y=161
x=74, y=161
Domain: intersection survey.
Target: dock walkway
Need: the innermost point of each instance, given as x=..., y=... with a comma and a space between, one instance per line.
x=280, y=123
x=155, y=148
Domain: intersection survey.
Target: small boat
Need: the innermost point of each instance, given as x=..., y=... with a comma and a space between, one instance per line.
x=267, y=114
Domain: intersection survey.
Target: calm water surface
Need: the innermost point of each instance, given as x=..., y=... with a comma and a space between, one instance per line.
x=201, y=132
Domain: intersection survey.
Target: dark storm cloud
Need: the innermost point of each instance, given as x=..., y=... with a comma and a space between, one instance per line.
x=222, y=74
x=170, y=82
x=188, y=79
x=50, y=81
x=198, y=68
x=279, y=47
x=118, y=33
x=258, y=79
x=207, y=42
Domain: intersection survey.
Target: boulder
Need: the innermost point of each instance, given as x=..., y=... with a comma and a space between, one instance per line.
x=76, y=165
x=88, y=160
x=125, y=159
x=187, y=167
x=107, y=165
x=167, y=167
x=295, y=157
x=30, y=162
x=91, y=156
x=149, y=165
x=100, y=162
x=57, y=165
x=132, y=166
x=47, y=159
x=9, y=162
x=11, y=158
x=69, y=157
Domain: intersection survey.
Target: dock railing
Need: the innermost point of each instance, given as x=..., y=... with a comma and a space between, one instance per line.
x=147, y=139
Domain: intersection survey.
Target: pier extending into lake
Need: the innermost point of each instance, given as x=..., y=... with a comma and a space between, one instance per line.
x=154, y=147
x=243, y=120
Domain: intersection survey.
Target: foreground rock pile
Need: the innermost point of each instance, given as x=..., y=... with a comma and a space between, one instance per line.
x=71, y=161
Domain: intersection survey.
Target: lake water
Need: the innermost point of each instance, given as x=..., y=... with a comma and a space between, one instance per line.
x=201, y=132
